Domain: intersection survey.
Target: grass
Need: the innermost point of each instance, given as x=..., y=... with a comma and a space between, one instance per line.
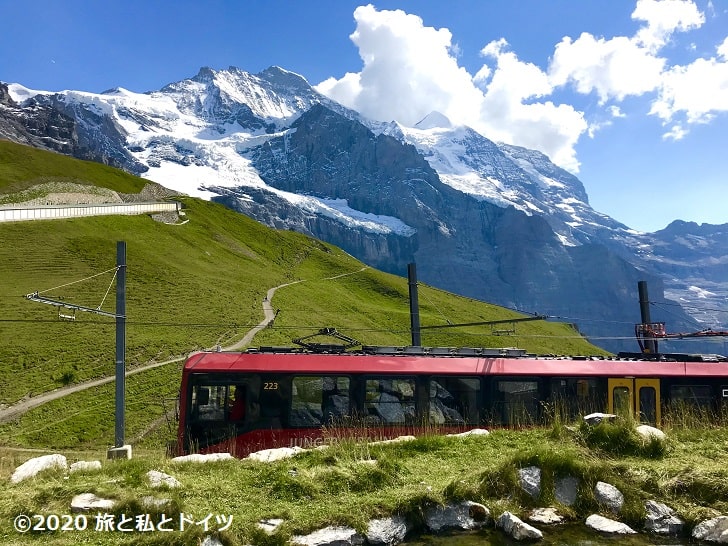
x=352, y=482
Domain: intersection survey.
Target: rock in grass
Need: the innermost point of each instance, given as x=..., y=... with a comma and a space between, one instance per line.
x=465, y=516
x=160, y=479
x=517, y=529
x=330, y=536
x=530, y=480
x=661, y=519
x=606, y=525
x=609, y=496
x=387, y=531
x=712, y=530
x=84, y=466
x=86, y=502
x=31, y=467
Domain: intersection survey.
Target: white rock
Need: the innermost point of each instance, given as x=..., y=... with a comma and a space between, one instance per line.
x=159, y=479
x=713, y=530
x=82, y=466
x=85, y=502
x=31, y=467
x=596, y=418
x=338, y=536
x=202, y=458
x=516, y=528
x=270, y=455
x=547, y=516
x=609, y=496
x=606, y=525
x=530, y=479
x=474, y=432
x=387, y=531
x=647, y=432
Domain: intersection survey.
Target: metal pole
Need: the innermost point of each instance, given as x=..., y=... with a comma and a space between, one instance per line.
x=414, y=305
x=120, y=341
x=650, y=343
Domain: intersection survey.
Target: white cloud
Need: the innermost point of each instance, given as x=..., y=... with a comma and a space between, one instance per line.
x=698, y=91
x=663, y=17
x=410, y=69
x=612, y=68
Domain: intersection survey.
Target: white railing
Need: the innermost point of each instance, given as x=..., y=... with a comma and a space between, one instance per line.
x=52, y=212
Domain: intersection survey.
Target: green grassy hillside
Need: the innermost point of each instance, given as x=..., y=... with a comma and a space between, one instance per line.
x=189, y=286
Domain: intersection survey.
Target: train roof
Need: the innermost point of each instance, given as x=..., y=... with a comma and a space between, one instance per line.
x=408, y=364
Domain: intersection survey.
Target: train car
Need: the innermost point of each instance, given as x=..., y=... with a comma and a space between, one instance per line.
x=245, y=402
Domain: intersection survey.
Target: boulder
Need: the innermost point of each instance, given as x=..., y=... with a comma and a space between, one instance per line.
x=86, y=502
x=517, y=529
x=547, y=516
x=606, y=525
x=566, y=489
x=661, y=519
x=648, y=433
x=464, y=516
x=712, y=530
x=530, y=480
x=474, y=432
x=84, y=466
x=276, y=454
x=330, y=536
x=596, y=418
x=202, y=458
x=160, y=479
x=609, y=496
x=387, y=531
x=31, y=467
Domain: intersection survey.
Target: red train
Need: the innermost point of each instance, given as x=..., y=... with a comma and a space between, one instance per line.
x=246, y=402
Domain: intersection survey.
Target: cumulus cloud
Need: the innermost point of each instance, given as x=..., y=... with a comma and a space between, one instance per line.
x=409, y=70
x=697, y=91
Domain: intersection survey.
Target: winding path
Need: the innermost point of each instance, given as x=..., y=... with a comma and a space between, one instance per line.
x=16, y=410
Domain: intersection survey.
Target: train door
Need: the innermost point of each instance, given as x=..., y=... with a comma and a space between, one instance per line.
x=639, y=397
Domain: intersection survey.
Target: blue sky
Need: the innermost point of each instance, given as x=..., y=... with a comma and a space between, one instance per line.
x=631, y=96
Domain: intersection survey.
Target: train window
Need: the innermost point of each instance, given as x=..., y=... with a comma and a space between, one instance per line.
x=454, y=400
x=648, y=405
x=208, y=402
x=218, y=402
x=317, y=401
x=572, y=397
x=516, y=402
x=695, y=395
x=390, y=401
x=621, y=401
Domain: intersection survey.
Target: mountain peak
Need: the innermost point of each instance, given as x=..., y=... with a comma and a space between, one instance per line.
x=285, y=78
x=434, y=120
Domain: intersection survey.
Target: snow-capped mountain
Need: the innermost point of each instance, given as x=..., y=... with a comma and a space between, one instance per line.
x=484, y=219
